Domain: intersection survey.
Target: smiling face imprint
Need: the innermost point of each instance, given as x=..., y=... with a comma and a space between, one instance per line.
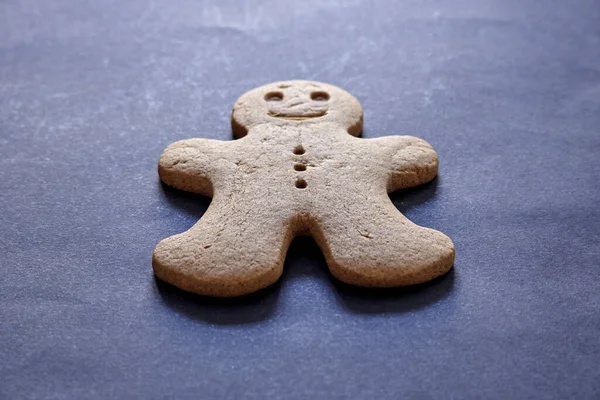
x=294, y=102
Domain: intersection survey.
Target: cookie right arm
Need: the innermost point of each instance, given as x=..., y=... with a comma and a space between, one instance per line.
x=189, y=165
x=410, y=161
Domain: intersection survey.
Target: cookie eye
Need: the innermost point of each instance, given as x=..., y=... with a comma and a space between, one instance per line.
x=319, y=96
x=274, y=96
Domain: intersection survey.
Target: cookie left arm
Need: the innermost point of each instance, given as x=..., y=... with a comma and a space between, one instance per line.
x=190, y=165
x=412, y=161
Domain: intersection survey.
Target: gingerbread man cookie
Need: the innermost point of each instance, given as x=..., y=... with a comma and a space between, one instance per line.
x=298, y=168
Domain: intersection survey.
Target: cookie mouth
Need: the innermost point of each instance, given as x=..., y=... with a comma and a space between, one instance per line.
x=297, y=116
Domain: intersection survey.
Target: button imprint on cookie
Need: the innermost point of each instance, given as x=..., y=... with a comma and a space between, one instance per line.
x=299, y=167
x=299, y=150
x=301, y=183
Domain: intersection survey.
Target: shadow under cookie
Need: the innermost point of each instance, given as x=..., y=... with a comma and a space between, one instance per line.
x=394, y=300
x=252, y=308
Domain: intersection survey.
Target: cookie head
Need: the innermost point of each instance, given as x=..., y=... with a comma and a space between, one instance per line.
x=296, y=103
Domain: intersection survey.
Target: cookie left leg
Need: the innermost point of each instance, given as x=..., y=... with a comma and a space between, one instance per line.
x=236, y=248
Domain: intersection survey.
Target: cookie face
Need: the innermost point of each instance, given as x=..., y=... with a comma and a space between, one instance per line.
x=297, y=103
x=298, y=169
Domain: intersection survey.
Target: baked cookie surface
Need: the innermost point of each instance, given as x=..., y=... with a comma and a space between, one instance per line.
x=298, y=168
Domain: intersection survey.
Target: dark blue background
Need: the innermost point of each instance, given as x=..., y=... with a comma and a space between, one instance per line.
x=507, y=91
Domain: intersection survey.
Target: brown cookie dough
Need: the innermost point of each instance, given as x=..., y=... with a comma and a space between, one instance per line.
x=298, y=168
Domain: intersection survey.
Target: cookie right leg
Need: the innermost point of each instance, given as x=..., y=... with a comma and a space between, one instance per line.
x=234, y=249
x=376, y=246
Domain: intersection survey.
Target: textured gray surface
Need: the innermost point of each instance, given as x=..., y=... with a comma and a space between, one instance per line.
x=508, y=92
